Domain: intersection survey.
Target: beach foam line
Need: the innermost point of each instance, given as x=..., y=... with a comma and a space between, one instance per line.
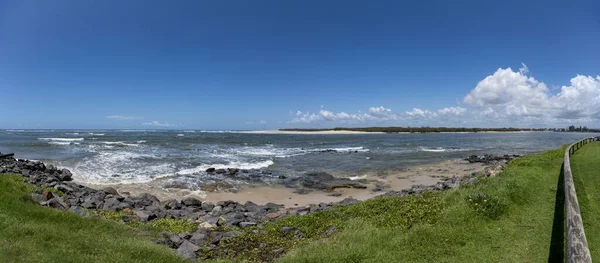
x=61, y=139
x=63, y=143
x=121, y=144
x=238, y=165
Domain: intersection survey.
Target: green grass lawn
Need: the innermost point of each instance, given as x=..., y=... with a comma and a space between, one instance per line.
x=31, y=233
x=507, y=218
x=585, y=165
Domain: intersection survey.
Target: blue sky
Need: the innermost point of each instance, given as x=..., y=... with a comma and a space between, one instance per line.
x=273, y=64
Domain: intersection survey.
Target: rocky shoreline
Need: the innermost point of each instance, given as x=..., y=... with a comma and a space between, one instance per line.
x=54, y=188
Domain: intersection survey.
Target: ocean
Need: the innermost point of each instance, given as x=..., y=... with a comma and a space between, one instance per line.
x=140, y=156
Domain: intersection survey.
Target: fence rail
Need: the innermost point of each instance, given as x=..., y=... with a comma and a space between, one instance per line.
x=577, y=247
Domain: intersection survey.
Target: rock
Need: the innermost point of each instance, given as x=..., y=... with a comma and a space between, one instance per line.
x=271, y=207
x=80, y=211
x=273, y=215
x=188, y=250
x=210, y=170
x=146, y=199
x=65, y=175
x=58, y=203
x=251, y=207
x=111, y=204
x=39, y=198
x=336, y=194
x=247, y=224
x=222, y=221
x=287, y=229
x=46, y=193
x=331, y=230
x=207, y=225
x=144, y=216
x=199, y=238
x=232, y=171
x=63, y=188
x=220, y=171
x=190, y=201
x=207, y=207
x=216, y=210
x=348, y=201
x=110, y=190
x=171, y=204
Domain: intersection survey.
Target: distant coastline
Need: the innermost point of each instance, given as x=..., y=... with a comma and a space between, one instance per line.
x=342, y=130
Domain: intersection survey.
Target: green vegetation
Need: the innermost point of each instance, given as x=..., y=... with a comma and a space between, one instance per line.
x=584, y=166
x=172, y=225
x=419, y=129
x=176, y=226
x=31, y=233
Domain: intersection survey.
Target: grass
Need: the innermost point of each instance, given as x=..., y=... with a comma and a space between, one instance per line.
x=517, y=223
x=31, y=233
x=584, y=165
x=516, y=216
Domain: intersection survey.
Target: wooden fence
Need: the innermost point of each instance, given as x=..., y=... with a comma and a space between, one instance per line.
x=577, y=247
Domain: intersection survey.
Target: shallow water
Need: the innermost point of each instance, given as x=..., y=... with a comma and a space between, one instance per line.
x=135, y=156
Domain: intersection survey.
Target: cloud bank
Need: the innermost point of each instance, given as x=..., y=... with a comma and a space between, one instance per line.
x=507, y=97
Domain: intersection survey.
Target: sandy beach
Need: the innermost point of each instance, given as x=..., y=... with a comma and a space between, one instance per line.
x=308, y=132
x=428, y=174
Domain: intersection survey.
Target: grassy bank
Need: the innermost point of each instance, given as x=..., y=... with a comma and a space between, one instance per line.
x=507, y=218
x=584, y=165
x=31, y=233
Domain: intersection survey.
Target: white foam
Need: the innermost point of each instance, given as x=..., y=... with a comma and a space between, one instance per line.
x=15, y=130
x=238, y=165
x=190, y=131
x=121, y=144
x=61, y=139
x=72, y=133
x=96, y=134
x=63, y=143
x=353, y=178
x=438, y=149
x=100, y=168
x=346, y=149
x=141, y=141
x=180, y=135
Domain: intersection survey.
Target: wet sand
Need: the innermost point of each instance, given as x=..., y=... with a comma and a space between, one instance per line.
x=427, y=174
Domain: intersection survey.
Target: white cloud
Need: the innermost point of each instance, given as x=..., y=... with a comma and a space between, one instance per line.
x=457, y=111
x=509, y=94
x=504, y=98
x=123, y=118
x=374, y=114
x=158, y=124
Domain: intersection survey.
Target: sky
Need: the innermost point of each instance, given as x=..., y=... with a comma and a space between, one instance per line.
x=255, y=65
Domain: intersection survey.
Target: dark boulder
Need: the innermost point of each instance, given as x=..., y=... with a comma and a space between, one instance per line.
x=188, y=250
x=110, y=190
x=190, y=201
x=80, y=211
x=65, y=175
